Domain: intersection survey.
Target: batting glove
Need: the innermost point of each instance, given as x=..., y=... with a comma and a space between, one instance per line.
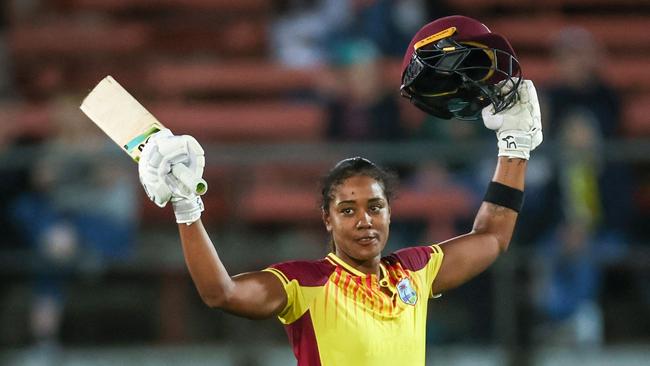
x=160, y=153
x=519, y=128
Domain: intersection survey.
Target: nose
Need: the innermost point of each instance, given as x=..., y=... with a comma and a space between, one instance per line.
x=365, y=221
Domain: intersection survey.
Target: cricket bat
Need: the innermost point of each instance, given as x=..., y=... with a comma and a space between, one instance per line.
x=130, y=125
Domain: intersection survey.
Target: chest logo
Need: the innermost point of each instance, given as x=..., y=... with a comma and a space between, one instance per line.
x=406, y=292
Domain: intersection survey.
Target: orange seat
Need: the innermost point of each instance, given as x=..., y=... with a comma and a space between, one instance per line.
x=447, y=203
x=297, y=204
x=260, y=121
x=266, y=204
x=273, y=122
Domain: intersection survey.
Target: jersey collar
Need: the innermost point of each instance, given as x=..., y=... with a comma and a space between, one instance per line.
x=335, y=260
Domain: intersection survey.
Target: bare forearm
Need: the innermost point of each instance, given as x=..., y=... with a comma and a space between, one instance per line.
x=496, y=220
x=208, y=273
x=511, y=172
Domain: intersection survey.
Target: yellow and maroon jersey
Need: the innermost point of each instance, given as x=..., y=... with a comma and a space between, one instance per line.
x=337, y=315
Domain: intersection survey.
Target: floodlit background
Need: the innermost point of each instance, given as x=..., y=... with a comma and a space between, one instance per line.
x=277, y=91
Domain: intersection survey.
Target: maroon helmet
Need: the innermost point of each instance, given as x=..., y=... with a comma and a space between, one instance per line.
x=453, y=65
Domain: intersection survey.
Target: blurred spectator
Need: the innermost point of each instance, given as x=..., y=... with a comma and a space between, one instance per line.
x=388, y=24
x=579, y=84
x=80, y=215
x=578, y=203
x=589, y=216
x=307, y=31
x=363, y=108
x=298, y=34
x=12, y=179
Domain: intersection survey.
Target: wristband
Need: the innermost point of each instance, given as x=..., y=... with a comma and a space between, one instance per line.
x=502, y=195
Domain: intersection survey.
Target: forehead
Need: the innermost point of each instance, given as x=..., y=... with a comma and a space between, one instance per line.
x=358, y=188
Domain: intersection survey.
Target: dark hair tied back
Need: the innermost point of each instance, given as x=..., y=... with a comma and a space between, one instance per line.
x=352, y=167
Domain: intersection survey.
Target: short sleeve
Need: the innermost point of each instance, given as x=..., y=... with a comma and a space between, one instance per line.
x=301, y=281
x=433, y=267
x=423, y=260
x=295, y=300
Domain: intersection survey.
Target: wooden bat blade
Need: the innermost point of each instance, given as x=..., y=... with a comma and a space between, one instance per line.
x=116, y=112
x=120, y=116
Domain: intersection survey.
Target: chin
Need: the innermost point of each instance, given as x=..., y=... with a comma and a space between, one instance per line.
x=363, y=253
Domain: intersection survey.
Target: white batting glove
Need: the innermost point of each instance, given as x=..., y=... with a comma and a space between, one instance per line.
x=519, y=128
x=162, y=151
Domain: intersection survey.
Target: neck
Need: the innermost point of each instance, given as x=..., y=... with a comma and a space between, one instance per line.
x=367, y=266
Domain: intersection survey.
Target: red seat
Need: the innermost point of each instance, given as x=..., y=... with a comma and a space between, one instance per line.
x=77, y=38
x=483, y=6
x=636, y=116
x=622, y=32
x=630, y=74
x=25, y=120
x=240, y=77
x=121, y=5
x=237, y=37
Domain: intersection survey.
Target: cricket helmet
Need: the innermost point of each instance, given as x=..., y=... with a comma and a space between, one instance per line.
x=455, y=66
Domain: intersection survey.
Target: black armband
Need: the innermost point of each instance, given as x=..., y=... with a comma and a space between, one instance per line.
x=502, y=195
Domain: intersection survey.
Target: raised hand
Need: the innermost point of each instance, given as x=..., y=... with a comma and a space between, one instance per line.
x=161, y=153
x=519, y=128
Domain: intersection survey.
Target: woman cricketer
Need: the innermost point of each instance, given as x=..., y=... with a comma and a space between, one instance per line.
x=359, y=306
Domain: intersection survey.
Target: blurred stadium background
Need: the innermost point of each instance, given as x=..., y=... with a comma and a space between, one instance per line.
x=91, y=273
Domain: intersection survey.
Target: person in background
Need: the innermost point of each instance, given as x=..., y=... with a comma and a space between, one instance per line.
x=579, y=84
x=581, y=216
x=578, y=87
x=363, y=108
x=80, y=214
x=589, y=219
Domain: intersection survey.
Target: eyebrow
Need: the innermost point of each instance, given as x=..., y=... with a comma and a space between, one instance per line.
x=372, y=200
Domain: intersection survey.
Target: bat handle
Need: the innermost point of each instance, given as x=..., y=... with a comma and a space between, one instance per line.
x=185, y=175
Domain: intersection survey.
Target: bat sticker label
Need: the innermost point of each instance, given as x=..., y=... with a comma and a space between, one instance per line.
x=135, y=146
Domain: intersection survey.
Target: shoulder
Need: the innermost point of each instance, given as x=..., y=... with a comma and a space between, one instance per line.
x=413, y=258
x=307, y=273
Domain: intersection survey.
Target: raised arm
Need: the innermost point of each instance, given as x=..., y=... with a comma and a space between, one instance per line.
x=518, y=132
x=252, y=295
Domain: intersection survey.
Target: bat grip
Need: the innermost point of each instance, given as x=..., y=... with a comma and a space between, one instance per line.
x=185, y=175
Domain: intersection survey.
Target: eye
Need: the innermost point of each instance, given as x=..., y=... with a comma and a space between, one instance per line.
x=347, y=211
x=376, y=208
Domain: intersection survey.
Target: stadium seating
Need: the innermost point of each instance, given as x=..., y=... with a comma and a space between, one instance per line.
x=203, y=67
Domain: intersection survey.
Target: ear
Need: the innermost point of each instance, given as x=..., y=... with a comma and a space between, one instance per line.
x=325, y=215
x=388, y=214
